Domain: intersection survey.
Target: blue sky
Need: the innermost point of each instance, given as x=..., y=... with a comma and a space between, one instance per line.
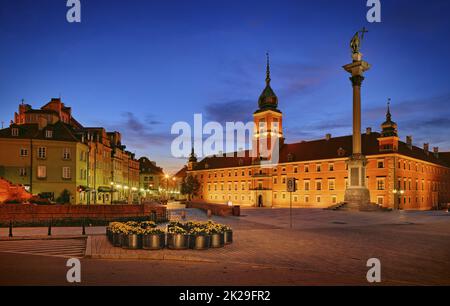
x=139, y=66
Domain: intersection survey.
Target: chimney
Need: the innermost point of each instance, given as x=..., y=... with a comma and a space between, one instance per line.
x=426, y=147
x=409, y=142
x=436, y=151
x=368, y=130
x=328, y=137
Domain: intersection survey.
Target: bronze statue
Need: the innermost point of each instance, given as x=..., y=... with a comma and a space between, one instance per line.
x=355, y=43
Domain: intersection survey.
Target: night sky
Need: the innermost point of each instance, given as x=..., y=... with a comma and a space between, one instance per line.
x=139, y=66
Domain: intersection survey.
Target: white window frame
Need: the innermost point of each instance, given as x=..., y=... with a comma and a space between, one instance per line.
x=66, y=154
x=66, y=173
x=42, y=153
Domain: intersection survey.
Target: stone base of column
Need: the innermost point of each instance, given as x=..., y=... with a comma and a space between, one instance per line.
x=357, y=198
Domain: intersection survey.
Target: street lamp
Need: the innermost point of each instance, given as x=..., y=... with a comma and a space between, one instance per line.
x=397, y=192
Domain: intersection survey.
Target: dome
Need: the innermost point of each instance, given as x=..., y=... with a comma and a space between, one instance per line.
x=268, y=99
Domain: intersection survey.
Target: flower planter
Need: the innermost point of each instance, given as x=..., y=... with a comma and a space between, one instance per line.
x=217, y=240
x=153, y=242
x=200, y=242
x=228, y=237
x=132, y=242
x=117, y=239
x=177, y=241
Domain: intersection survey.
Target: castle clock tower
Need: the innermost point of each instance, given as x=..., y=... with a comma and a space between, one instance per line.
x=268, y=131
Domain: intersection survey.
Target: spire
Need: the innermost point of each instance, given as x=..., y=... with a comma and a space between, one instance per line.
x=388, y=113
x=268, y=69
x=389, y=127
x=192, y=157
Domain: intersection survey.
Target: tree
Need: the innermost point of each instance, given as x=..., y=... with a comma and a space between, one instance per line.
x=64, y=198
x=190, y=186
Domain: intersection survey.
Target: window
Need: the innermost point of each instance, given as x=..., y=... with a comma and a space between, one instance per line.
x=15, y=132
x=66, y=153
x=331, y=184
x=23, y=172
x=306, y=199
x=295, y=170
x=284, y=180
x=42, y=172
x=48, y=134
x=306, y=168
x=66, y=172
x=42, y=152
x=380, y=183
x=333, y=199
x=330, y=167
x=318, y=185
x=306, y=185
x=275, y=180
x=380, y=164
x=318, y=199
x=318, y=168
x=23, y=152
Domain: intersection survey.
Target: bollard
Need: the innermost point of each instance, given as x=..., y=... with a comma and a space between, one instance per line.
x=84, y=229
x=49, y=233
x=209, y=213
x=10, y=229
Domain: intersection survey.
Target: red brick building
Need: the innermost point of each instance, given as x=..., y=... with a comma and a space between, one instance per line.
x=398, y=174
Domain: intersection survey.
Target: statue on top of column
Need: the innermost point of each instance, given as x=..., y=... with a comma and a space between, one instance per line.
x=355, y=43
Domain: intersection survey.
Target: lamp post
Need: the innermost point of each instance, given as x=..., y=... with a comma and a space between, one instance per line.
x=397, y=193
x=111, y=192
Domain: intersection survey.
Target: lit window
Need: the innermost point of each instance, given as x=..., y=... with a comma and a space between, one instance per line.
x=380, y=183
x=48, y=134
x=42, y=172
x=15, y=132
x=331, y=184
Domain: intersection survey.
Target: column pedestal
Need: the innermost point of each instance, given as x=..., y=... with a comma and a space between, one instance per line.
x=357, y=195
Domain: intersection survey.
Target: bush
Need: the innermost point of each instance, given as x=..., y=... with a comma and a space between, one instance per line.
x=64, y=198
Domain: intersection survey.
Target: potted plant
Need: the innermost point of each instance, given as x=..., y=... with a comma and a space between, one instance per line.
x=227, y=234
x=132, y=238
x=177, y=238
x=199, y=238
x=217, y=234
x=117, y=230
x=153, y=238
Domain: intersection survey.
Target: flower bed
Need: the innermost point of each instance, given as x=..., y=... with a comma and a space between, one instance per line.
x=178, y=236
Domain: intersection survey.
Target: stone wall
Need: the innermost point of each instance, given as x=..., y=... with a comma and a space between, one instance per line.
x=216, y=209
x=33, y=212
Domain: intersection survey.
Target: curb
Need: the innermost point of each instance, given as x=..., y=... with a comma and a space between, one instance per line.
x=18, y=238
x=155, y=256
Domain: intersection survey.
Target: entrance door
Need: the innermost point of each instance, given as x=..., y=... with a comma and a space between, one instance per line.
x=260, y=201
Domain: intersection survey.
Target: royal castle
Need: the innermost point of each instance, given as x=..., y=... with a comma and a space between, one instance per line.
x=398, y=174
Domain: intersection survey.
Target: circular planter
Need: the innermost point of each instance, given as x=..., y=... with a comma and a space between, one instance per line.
x=200, y=242
x=177, y=241
x=117, y=239
x=217, y=240
x=153, y=242
x=132, y=242
x=228, y=237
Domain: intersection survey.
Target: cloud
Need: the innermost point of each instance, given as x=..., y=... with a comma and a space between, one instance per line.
x=230, y=110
